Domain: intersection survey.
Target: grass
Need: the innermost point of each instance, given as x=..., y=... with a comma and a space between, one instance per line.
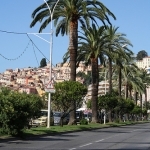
x=53, y=130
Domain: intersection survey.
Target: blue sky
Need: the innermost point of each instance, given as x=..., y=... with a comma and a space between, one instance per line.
x=15, y=16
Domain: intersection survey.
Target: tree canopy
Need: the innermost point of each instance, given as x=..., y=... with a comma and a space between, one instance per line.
x=43, y=62
x=16, y=110
x=141, y=54
x=68, y=92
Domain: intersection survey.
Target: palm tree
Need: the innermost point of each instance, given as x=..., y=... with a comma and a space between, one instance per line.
x=146, y=83
x=90, y=50
x=132, y=79
x=66, y=16
x=115, y=44
x=123, y=56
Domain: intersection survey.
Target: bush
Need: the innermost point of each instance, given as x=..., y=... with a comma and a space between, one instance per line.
x=83, y=121
x=117, y=120
x=16, y=109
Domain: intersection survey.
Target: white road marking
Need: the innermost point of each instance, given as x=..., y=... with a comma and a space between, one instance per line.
x=72, y=148
x=104, y=139
x=86, y=145
x=99, y=140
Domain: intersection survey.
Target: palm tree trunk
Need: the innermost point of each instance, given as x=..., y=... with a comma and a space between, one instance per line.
x=119, y=84
x=146, y=99
x=141, y=100
x=73, y=40
x=141, y=106
x=126, y=90
x=135, y=97
x=95, y=82
x=110, y=75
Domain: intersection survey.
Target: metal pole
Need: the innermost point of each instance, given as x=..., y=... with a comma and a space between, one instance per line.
x=50, y=71
x=105, y=94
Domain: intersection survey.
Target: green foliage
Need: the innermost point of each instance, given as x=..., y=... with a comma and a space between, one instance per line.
x=144, y=111
x=137, y=110
x=43, y=63
x=141, y=54
x=108, y=101
x=89, y=104
x=146, y=105
x=85, y=77
x=68, y=92
x=76, y=10
x=125, y=106
x=16, y=109
x=117, y=120
x=83, y=121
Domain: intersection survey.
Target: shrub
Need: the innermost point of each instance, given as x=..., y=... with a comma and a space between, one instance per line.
x=83, y=121
x=117, y=120
x=16, y=109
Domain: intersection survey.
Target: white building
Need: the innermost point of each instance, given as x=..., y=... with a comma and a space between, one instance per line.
x=144, y=63
x=102, y=90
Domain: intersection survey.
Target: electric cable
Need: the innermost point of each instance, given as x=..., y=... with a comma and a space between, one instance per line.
x=10, y=59
x=35, y=54
x=12, y=32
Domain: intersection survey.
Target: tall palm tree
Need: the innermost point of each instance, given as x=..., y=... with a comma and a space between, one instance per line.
x=90, y=49
x=66, y=16
x=123, y=56
x=146, y=83
x=132, y=79
x=115, y=44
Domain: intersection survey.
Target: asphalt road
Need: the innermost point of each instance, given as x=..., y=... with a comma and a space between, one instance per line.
x=133, y=137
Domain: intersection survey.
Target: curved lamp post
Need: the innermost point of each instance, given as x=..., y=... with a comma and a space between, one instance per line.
x=50, y=74
x=104, y=111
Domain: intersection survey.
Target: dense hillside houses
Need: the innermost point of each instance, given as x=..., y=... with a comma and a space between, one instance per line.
x=35, y=80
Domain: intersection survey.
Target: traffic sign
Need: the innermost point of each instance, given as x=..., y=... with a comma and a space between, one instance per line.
x=50, y=87
x=50, y=90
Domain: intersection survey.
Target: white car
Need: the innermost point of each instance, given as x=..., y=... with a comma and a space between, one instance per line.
x=34, y=122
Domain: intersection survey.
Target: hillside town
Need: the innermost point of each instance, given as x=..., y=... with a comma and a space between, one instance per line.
x=36, y=80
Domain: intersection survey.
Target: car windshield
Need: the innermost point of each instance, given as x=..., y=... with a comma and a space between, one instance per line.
x=44, y=113
x=57, y=114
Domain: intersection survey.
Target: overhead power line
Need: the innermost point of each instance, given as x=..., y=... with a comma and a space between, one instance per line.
x=12, y=32
x=17, y=56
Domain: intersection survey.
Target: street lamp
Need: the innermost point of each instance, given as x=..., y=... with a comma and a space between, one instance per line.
x=50, y=61
x=104, y=111
x=49, y=89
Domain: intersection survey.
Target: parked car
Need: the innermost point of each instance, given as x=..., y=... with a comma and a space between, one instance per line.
x=57, y=118
x=41, y=119
x=34, y=123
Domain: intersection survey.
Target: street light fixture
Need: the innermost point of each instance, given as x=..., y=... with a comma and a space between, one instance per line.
x=104, y=111
x=49, y=89
x=50, y=72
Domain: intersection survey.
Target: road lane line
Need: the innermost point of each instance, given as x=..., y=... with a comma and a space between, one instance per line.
x=105, y=139
x=86, y=145
x=72, y=148
x=99, y=140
